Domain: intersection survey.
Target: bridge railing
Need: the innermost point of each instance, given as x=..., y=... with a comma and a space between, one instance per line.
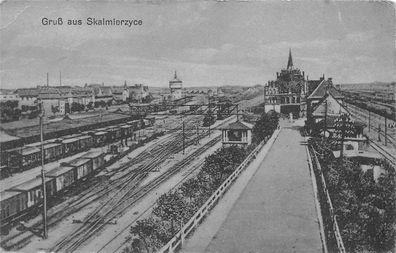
x=178, y=240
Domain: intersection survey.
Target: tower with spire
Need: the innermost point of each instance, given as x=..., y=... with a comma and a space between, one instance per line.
x=176, y=87
x=287, y=93
x=290, y=61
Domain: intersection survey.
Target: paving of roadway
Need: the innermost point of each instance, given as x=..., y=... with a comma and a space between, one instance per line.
x=275, y=212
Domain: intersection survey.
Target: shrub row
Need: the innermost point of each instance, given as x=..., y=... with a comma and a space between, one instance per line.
x=365, y=208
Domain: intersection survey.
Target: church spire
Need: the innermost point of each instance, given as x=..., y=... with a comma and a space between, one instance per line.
x=290, y=61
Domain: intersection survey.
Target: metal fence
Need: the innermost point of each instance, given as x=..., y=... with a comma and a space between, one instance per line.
x=332, y=216
x=178, y=240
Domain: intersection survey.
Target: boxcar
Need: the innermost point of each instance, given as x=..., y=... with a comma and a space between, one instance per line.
x=83, y=167
x=12, y=204
x=97, y=159
x=70, y=146
x=64, y=176
x=100, y=138
x=86, y=142
x=52, y=151
x=20, y=158
x=34, y=190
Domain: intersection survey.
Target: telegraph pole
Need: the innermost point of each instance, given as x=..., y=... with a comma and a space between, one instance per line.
x=325, y=121
x=45, y=231
x=342, y=136
x=197, y=134
x=386, y=131
x=369, y=120
x=264, y=98
x=183, y=139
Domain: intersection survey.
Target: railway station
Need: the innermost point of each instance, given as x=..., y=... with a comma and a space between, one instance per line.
x=209, y=127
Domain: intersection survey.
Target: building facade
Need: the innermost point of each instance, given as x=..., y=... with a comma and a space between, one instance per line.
x=176, y=88
x=287, y=94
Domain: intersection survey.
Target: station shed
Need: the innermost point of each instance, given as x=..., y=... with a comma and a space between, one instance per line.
x=237, y=133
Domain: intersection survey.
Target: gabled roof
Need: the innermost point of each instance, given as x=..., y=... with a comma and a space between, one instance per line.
x=330, y=105
x=322, y=88
x=239, y=125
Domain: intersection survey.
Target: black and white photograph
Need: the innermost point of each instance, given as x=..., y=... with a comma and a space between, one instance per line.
x=206, y=126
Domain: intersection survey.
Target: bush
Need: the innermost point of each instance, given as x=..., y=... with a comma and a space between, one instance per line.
x=365, y=209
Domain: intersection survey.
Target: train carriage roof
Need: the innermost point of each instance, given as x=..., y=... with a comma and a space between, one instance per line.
x=59, y=171
x=70, y=140
x=25, y=150
x=77, y=162
x=92, y=154
x=8, y=194
x=29, y=185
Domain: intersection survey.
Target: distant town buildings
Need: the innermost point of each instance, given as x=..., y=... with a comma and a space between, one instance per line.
x=6, y=95
x=60, y=100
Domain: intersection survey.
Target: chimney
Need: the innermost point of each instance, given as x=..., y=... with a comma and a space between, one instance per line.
x=60, y=78
x=47, y=79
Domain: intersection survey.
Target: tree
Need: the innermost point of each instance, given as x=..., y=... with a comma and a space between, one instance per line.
x=265, y=126
x=170, y=206
x=145, y=230
x=209, y=119
x=223, y=162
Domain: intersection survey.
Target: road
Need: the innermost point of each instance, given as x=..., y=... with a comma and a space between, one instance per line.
x=275, y=212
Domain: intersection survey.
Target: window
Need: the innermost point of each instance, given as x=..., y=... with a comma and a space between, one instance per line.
x=234, y=135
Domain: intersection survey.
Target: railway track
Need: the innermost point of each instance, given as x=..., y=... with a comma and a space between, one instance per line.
x=176, y=168
x=125, y=187
x=99, y=191
x=122, y=200
x=90, y=228
x=362, y=115
x=359, y=114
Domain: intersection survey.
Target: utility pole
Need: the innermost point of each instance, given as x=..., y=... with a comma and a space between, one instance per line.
x=237, y=108
x=325, y=121
x=183, y=139
x=386, y=131
x=45, y=232
x=379, y=131
x=343, y=117
x=264, y=98
x=369, y=120
x=197, y=134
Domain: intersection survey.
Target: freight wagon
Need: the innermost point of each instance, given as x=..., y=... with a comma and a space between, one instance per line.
x=64, y=177
x=83, y=167
x=23, y=158
x=97, y=159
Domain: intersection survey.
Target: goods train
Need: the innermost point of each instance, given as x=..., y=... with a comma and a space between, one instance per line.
x=25, y=197
x=28, y=156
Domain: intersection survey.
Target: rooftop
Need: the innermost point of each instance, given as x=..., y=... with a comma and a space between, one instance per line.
x=239, y=125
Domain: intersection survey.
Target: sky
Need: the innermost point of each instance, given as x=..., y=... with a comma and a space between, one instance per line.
x=209, y=43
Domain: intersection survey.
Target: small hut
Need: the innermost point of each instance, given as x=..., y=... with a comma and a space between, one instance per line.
x=237, y=133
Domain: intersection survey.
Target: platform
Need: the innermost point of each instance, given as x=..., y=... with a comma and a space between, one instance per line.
x=275, y=210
